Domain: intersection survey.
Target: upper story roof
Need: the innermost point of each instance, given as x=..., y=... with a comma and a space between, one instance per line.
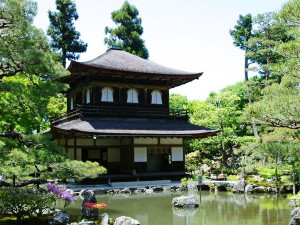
x=117, y=62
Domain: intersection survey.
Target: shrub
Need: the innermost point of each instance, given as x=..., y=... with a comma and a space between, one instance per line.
x=233, y=177
x=295, y=200
x=24, y=201
x=268, y=173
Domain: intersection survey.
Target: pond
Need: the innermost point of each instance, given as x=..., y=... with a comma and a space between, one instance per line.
x=216, y=209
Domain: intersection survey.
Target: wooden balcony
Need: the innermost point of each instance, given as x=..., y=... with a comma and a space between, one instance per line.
x=113, y=111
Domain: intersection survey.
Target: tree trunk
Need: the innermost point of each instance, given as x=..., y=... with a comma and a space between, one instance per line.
x=254, y=128
x=246, y=67
x=276, y=175
x=294, y=181
x=64, y=56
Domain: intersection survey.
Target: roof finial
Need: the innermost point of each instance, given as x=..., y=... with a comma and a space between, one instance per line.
x=115, y=47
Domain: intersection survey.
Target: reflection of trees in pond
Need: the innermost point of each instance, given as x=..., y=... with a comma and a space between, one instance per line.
x=223, y=208
x=184, y=212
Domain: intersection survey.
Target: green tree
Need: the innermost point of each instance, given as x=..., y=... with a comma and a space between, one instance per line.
x=220, y=111
x=26, y=87
x=280, y=105
x=24, y=48
x=241, y=33
x=178, y=102
x=128, y=31
x=62, y=31
x=262, y=45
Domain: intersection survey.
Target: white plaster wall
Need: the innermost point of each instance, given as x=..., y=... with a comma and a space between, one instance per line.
x=113, y=154
x=177, y=153
x=71, y=142
x=145, y=141
x=140, y=154
x=71, y=153
x=171, y=141
x=108, y=142
x=85, y=142
x=78, y=152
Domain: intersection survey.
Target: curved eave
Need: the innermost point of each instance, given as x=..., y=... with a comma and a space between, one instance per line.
x=134, y=133
x=77, y=68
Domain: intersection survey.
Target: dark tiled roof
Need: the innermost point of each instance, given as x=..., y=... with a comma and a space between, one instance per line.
x=119, y=60
x=136, y=127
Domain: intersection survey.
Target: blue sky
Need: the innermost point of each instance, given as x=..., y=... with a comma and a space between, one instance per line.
x=190, y=35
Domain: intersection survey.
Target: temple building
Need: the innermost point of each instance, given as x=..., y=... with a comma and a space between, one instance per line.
x=118, y=115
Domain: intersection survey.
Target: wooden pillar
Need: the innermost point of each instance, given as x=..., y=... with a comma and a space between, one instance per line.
x=75, y=148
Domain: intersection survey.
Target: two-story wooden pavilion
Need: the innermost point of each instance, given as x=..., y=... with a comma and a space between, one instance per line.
x=118, y=115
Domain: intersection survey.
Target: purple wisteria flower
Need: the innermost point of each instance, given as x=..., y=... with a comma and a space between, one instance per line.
x=61, y=191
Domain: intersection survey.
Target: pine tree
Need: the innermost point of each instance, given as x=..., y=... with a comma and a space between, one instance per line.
x=62, y=31
x=127, y=33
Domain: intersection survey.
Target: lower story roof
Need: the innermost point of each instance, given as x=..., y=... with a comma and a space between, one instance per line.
x=138, y=127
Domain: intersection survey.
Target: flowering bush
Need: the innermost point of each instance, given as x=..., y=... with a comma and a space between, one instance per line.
x=24, y=201
x=60, y=191
x=96, y=206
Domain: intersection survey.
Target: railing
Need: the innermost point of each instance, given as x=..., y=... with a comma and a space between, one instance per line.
x=87, y=110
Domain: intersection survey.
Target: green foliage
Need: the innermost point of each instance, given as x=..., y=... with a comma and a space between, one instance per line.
x=294, y=200
x=233, y=177
x=24, y=48
x=242, y=32
x=192, y=161
x=178, y=102
x=128, y=31
x=267, y=173
x=62, y=31
x=77, y=169
x=43, y=159
x=22, y=202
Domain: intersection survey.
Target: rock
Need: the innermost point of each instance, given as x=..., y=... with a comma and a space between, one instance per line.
x=295, y=216
x=84, y=222
x=124, y=220
x=60, y=218
x=149, y=191
x=125, y=191
x=140, y=190
x=271, y=190
x=155, y=189
x=104, y=219
x=89, y=197
x=239, y=187
x=259, y=189
x=249, y=188
x=185, y=202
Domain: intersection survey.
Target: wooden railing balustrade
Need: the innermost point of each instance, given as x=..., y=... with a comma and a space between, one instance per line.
x=88, y=110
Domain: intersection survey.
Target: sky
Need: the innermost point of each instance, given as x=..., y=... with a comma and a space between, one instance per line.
x=189, y=35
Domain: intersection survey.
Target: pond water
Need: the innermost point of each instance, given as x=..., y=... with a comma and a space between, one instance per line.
x=216, y=209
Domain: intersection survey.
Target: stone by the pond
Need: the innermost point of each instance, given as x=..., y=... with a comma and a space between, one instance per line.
x=185, y=202
x=239, y=187
x=295, y=216
x=60, y=218
x=104, y=219
x=125, y=220
x=149, y=191
x=259, y=189
x=125, y=191
x=140, y=190
x=89, y=197
x=158, y=188
x=249, y=188
x=84, y=222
